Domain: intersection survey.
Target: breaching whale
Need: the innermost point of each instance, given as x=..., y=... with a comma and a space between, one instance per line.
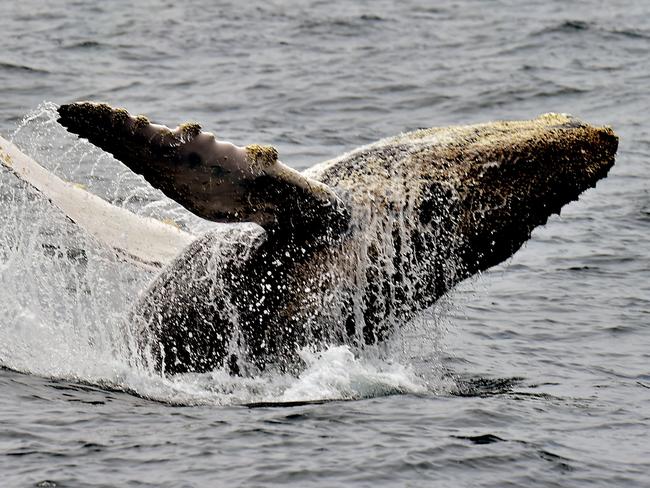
x=347, y=250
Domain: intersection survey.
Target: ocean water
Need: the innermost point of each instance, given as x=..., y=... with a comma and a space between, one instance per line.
x=536, y=373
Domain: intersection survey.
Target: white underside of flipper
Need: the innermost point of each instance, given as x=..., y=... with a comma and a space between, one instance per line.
x=145, y=241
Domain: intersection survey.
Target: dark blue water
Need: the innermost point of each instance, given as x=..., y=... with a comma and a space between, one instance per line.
x=535, y=374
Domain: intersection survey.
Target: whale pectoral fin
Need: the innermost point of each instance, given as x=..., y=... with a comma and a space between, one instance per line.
x=145, y=242
x=151, y=150
x=132, y=140
x=215, y=180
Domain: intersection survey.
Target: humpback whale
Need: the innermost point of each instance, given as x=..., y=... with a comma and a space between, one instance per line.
x=344, y=252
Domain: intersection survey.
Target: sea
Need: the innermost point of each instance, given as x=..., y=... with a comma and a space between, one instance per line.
x=536, y=373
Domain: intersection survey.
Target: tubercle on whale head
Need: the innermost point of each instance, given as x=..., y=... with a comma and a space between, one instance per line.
x=215, y=180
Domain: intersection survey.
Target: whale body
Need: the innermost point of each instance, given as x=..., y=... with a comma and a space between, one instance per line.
x=344, y=252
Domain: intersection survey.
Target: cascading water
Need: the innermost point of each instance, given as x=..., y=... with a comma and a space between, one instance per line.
x=67, y=298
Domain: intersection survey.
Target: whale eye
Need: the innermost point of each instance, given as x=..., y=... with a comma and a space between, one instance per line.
x=194, y=159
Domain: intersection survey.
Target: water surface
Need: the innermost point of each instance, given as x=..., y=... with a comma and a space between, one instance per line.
x=535, y=374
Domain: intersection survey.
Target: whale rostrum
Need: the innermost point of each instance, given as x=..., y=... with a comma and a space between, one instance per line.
x=348, y=250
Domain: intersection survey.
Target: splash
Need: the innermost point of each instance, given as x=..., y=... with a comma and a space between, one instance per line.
x=66, y=298
x=335, y=373
x=76, y=160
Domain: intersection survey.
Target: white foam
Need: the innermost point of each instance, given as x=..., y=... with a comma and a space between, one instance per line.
x=336, y=373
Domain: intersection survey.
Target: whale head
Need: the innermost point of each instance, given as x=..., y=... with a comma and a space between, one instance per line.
x=510, y=177
x=449, y=202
